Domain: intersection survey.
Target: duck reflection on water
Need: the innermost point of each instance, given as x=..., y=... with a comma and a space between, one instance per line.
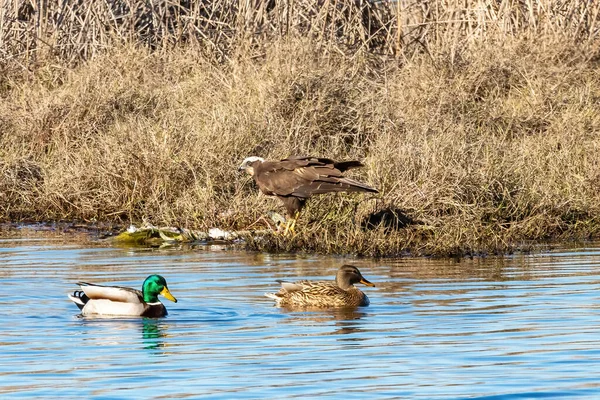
x=154, y=334
x=346, y=320
x=124, y=331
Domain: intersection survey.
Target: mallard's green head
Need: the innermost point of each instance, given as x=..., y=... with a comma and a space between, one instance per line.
x=348, y=275
x=155, y=285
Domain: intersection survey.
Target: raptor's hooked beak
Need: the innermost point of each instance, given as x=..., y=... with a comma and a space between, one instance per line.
x=248, y=169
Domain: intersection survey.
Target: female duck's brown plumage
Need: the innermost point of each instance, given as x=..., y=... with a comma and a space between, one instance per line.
x=324, y=294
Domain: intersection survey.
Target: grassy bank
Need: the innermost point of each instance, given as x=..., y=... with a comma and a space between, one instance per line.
x=485, y=140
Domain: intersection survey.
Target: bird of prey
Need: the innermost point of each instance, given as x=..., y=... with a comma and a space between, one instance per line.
x=295, y=179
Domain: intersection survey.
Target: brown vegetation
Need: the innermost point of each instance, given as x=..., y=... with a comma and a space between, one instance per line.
x=479, y=123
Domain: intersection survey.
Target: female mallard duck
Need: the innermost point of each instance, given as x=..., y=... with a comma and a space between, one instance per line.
x=322, y=294
x=114, y=300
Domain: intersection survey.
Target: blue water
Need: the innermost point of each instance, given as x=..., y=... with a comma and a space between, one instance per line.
x=522, y=327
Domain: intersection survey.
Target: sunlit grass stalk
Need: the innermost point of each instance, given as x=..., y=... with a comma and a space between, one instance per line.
x=485, y=134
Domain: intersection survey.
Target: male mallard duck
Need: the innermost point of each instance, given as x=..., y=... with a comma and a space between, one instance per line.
x=338, y=293
x=114, y=300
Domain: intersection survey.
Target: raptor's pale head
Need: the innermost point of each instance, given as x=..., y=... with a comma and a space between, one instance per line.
x=248, y=164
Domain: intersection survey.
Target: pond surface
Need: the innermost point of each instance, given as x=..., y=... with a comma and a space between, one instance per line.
x=508, y=328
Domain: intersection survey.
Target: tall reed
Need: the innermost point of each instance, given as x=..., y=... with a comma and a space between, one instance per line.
x=78, y=30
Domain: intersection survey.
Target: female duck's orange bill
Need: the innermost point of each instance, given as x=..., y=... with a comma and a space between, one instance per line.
x=366, y=282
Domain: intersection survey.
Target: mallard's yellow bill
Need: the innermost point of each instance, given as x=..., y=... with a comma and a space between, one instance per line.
x=366, y=282
x=165, y=292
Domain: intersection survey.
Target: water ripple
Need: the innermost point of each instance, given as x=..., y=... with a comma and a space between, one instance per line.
x=520, y=327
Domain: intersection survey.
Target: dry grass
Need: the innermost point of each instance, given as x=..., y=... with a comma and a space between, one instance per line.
x=480, y=123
